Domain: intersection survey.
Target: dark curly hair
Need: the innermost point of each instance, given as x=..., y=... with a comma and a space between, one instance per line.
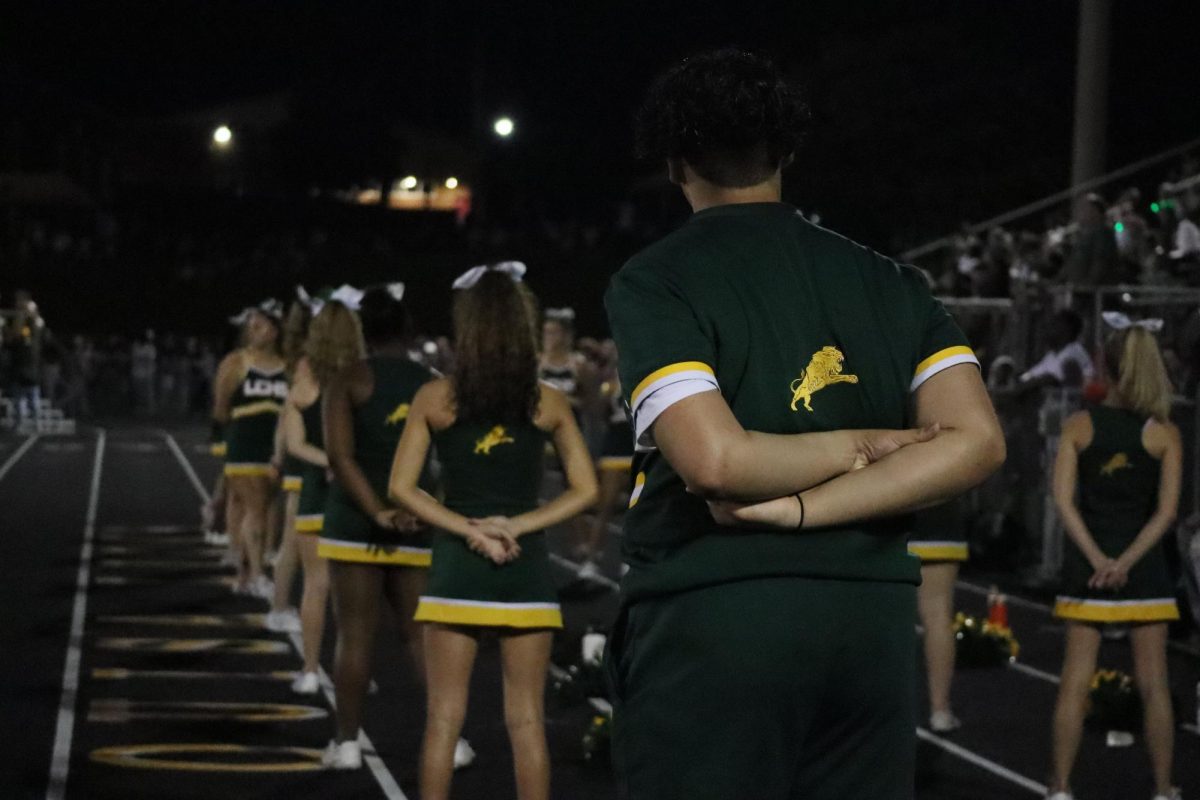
x=384, y=319
x=730, y=114
x=496, y=326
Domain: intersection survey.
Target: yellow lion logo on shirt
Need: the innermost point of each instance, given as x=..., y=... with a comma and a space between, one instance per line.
x=399, y=415
x=1118, y=461
x=496, y=436
x=825, y=369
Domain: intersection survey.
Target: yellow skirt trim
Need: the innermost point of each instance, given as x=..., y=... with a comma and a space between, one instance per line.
x=218, y=449
x=242, y=470
x=478, y=612
x=939, y=551
x=360, y=553
x=292, y=484
x=1155, y=610
x=616, y=463
x=254, y=409
x=310, y=523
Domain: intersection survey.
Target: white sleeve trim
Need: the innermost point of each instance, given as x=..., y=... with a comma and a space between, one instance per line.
x=943, y=359
x=655, y=401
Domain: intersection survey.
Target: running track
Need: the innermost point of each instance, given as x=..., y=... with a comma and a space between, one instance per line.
x=128, y=670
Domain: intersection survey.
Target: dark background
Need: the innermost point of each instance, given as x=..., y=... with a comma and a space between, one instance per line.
x=925, y=114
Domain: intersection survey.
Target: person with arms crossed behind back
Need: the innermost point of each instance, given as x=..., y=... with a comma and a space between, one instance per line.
x=1125, y=459
x=490, y=421
x=766, y=638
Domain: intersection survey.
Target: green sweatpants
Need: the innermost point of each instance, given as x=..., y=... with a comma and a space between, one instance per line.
x=768, y=689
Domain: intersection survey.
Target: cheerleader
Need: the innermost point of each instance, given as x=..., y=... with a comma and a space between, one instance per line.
x=376, y=551
x=282, y=617
x=251, y=386
x=1125, y=459
x=939, y=540
x=615, y=464
x=334, y=342
x=490, y=421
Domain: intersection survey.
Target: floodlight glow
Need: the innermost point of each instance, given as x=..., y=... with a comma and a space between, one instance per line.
x=409, y=183
x=503, y=127
x=222, y=136
x=451, y=183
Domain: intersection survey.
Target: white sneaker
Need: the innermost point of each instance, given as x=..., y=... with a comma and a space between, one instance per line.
x=262, y=587
x=309, y=683
x=217, y=539
x=1174, y=795
x=342, y=755
x=285, y=621
x=464, y=754
x=1060, y=796
x=944, y=722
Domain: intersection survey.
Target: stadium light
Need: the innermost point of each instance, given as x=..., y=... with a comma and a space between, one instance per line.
x=222, y=137
x=409, y=183
x=503, y=127
x=451, y=183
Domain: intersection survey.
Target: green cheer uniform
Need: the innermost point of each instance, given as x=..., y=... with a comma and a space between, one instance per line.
x=314, y=486
x=491, y=470
x=349, y=534
x=253, y=414
x=1118, y=493
x=798, y=647
x=940, y=533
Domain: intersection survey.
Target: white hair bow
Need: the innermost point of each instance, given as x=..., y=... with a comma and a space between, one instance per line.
x=561, y=314
x=1119, y=322
x=395, y=290
x=271, y=307
x=313, y=303
x=513, y=269
x=348, y=296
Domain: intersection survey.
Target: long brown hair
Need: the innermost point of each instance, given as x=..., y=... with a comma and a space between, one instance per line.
x=295, y=332
x=496, y=343
x=1136, y=365
x=334, y=341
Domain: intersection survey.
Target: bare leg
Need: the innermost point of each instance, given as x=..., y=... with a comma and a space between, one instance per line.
x=274, y=529
x=935, y=605
x=449, y=657
x=525, y=657
x=1079, y=664
x=357, y=589
x=611, y=481
x=403, y=587
x=285, y=566
x=1150, y=671
x=314, y=600
x=235, y=511
x=256, y=492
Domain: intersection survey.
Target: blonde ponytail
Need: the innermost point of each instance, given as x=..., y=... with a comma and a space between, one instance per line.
x=1142, y=382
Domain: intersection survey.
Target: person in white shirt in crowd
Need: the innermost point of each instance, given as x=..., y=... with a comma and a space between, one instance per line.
x=1067, y=363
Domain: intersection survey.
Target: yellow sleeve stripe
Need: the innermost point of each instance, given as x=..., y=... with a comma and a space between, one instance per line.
x=670, y=369
x=942, y=359
x=939, y=551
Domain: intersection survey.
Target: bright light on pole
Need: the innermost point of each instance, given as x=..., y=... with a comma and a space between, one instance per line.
x=222, y=136
x=409, y=183
x=503, y=127
x=451, y=183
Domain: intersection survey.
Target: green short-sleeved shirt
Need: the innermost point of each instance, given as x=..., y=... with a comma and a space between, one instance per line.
x=801, y=330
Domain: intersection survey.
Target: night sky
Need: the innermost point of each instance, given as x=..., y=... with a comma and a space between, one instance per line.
x=925, y=113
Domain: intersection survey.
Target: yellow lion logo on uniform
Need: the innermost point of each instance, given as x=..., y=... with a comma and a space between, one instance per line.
x=399, y=415
x=495, y=436
x=1118, y=461
x=825, y=369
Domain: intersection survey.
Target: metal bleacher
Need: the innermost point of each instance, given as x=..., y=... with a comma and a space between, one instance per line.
x=46, y=419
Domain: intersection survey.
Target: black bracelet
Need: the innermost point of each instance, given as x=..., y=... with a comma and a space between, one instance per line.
x=800, y=499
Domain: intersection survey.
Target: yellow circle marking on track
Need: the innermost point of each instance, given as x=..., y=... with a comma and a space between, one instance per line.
x=121, y=710
x=153, y=645
x=143, y=757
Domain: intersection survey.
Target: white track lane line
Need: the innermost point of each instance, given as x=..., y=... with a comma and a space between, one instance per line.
x=16, y=456
x=991, y=766
x=60, y=760
x=383, y=776
x=1021, y=602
